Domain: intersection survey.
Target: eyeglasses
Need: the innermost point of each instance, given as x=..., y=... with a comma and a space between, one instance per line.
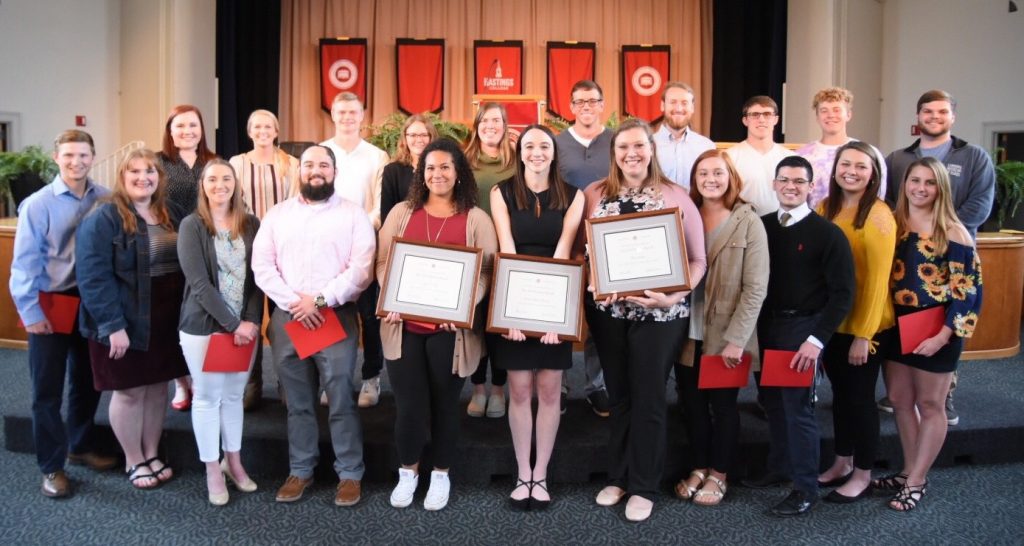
x=579, y=103
x=417, y=135
x=760, y=115
x=782, y=180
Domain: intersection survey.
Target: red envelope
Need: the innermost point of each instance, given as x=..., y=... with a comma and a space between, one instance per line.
x=60, y=310
x=714, y=374
x=222, y=355
x=920, y=325
x=310, y=342
x=775, y=371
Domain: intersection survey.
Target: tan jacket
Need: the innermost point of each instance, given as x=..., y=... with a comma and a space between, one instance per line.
x=469, y=344
x=735, y=285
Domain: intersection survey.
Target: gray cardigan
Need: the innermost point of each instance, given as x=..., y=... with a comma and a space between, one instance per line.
x=203, y=310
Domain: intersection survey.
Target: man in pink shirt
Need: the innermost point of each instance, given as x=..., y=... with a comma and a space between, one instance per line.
x=313, y=255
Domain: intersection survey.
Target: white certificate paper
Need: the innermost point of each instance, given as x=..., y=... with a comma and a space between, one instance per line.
x=538, y=297
x=637, y=254
x=430, y=282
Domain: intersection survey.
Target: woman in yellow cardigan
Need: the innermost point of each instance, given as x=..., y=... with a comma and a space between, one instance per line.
x=428, y=364
x=850, y=358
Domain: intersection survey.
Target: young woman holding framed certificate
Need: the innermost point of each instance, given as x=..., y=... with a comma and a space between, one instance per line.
x=428, y=363
x=536, y=214
x=639, y=337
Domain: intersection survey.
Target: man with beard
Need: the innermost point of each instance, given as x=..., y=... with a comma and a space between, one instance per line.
x=677, y=145
x=313, y=255
x=971, y=176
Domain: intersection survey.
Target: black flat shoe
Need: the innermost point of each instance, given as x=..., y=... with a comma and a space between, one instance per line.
x=797, y=503
x=535, y=503
x=836, y=497
x=522, y=504
x=836, y=482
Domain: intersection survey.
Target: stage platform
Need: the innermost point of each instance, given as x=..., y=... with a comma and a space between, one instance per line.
x=990, y=401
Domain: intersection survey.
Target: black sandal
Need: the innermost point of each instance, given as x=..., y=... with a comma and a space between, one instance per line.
x=892, y=482
x=536, y=503
x=522, y=504
x=908, y=497
x=157, y=473
x=134, y=474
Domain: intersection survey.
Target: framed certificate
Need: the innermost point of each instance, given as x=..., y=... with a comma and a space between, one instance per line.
x=431, y=282
x=536, y=295
x=631, y=253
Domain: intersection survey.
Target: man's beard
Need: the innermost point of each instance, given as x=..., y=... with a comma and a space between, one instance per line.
x=677, y=126
x=322, y=192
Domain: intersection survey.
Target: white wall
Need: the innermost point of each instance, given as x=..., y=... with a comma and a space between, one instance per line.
x=972, y=49
x=809, y=64
x=59, y=59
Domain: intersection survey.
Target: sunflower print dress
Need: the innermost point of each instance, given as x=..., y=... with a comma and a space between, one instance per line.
x=922, y=278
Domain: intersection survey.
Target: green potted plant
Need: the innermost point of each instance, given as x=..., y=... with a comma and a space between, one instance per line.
x=1009, y=191
x=385, y=135
x=24, y=172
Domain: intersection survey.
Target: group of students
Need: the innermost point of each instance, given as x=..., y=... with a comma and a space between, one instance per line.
x=175, y=254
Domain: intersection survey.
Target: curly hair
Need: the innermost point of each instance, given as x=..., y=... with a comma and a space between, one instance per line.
x=464, y=196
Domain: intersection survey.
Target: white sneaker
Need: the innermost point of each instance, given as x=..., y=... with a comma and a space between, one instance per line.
x=401, y=496
x=369, y=395
x=437, y=495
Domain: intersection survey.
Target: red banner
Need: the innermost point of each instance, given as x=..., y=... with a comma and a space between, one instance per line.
x=420, y=75
x=342, y=68
x=645, y=70
x=568, y=63
x=498, y=67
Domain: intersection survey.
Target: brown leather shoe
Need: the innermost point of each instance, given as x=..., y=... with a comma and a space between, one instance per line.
x=93, y=460
x=349, y=492
x=293, y=489
x=55, y=484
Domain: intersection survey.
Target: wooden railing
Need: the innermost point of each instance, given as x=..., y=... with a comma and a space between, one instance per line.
x=104, y=171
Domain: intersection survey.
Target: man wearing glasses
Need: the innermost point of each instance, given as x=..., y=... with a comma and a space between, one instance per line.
x=677, y=145
x=810, y=291
x=584, y=157
x=756, y=157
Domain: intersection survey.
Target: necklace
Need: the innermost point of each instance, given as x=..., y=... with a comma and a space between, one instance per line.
x=426, y=216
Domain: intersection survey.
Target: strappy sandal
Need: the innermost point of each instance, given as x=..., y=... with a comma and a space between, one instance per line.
x=538, y=504
x=135, y=474
x=892, y=482
x=522, y=504
x=908, y=497
x=684, y=490
x=157, y=473
x=716, y=496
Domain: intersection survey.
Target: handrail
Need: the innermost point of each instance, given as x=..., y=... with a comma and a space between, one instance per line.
x=104, y=172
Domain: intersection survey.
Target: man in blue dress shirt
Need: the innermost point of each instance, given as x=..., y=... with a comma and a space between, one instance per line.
x=677, y=144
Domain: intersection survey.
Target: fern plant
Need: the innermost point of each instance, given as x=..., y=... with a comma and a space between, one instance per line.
x=31, y=160
x=386, y=134
x=1009, y=188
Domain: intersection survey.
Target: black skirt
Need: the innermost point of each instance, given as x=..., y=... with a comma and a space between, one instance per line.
x=944, y=361
x=163, y=361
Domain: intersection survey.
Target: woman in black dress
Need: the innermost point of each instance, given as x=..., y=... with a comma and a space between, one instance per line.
x=537, y=214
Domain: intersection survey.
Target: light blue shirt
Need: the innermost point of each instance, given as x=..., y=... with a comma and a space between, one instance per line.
x=677, y=155
x=44, y=244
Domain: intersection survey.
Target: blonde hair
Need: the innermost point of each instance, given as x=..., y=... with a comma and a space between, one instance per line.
x=402, y=153
x=236, y=208
x=655, y=177
x=158, y=202
x=944, y=219
x=833, y=94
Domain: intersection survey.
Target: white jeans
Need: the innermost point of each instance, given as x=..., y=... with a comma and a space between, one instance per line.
x=216, y=401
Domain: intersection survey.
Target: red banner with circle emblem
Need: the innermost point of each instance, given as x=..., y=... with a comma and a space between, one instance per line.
x=498, y=67
x=568, y=63
x=420, y=75
x=342, y=68
x=645, y=70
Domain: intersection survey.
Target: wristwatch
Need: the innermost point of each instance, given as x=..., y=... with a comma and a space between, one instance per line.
x=320, y=301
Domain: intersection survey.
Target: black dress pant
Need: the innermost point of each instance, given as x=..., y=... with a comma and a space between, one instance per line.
x=426, y=398
x=712, y=418
x=636, y=357
x=854, y=414
x=373, y=354
x=795, y=449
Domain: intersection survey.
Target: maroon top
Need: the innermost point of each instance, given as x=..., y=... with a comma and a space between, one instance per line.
x=451, y=230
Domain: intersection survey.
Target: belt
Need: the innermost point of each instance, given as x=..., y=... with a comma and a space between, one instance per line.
x=791, y=313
